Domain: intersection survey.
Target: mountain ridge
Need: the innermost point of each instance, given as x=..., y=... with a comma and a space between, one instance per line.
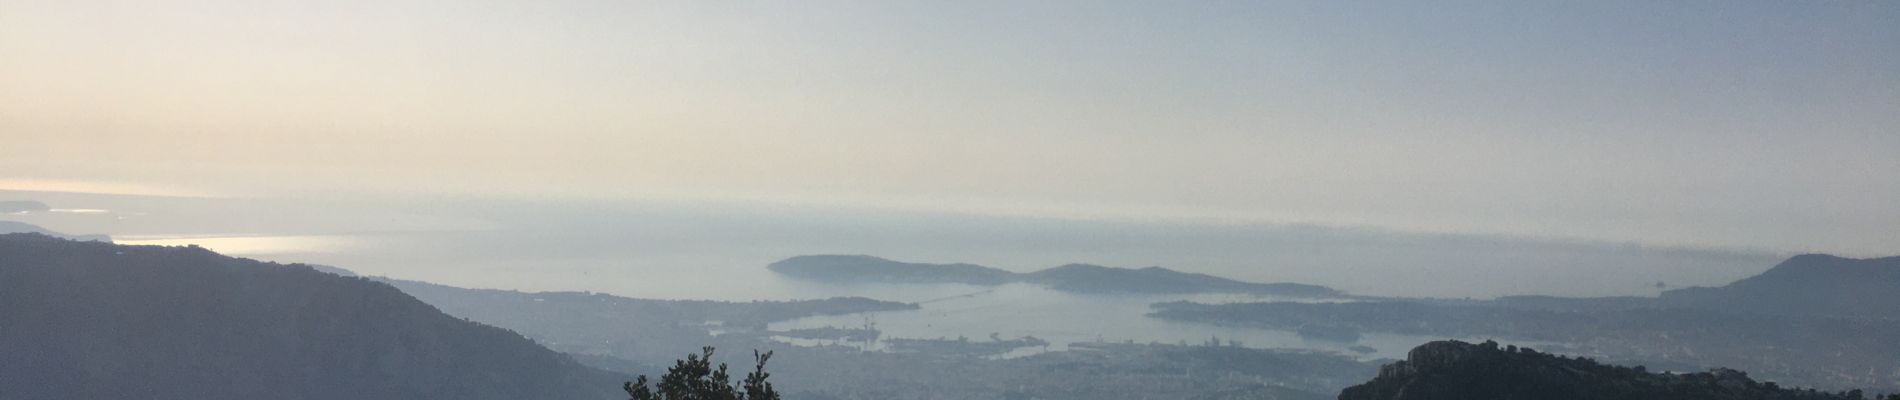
x=1807, y=284
x=22, y=227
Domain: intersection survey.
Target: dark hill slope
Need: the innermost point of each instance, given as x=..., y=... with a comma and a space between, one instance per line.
x=1453, y=370
x=1811, y=284
x=96, y=320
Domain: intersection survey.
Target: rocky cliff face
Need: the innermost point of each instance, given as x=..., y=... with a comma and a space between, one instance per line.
x=1450, y=370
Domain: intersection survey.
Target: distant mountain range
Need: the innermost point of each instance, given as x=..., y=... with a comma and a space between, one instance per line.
x=1804, y=285
x=1082, y=278
x=22, y=206
x=1453, y=370
x=22, y=227
x=1814, y=320
x=96, y=320
x=1811, y=284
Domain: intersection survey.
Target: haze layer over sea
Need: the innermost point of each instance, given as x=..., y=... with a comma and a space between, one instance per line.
x=719, y=251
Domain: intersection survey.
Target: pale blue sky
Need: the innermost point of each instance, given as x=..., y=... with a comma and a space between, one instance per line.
x=1725, y=123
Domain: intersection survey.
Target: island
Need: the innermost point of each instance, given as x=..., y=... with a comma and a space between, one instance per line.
x=1080, y=278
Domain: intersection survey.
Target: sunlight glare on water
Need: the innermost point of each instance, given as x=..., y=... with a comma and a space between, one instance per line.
x=252, y=245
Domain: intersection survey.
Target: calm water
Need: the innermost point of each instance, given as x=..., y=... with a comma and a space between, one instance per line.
x=649, y=264
x=1017, y=310
x=720, y=252
x=948, y=310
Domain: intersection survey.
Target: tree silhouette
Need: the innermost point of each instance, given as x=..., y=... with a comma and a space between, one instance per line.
x=694, y=378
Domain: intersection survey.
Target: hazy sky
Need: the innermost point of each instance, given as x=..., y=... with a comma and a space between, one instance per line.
x=1728, y=123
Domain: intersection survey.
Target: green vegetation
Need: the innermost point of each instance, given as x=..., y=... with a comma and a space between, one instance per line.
x=1450, y=370
x=694, y=378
